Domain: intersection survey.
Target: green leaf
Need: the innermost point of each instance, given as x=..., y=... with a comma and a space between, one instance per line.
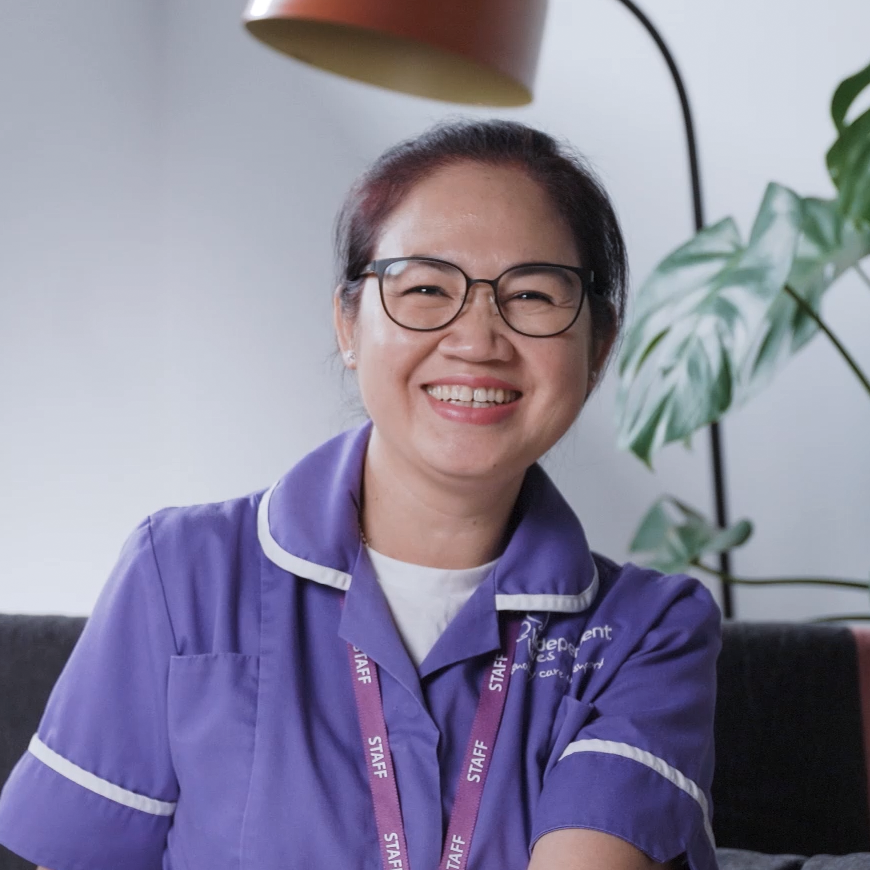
x=651, y=532
x=733, y=536
x=828, y=245
x=674, y=535
x=694, y=320
x=847, y=92
x=849, y=157
x=713, y=324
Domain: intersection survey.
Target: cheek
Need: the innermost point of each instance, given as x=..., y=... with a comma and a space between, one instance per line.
x=376, y=332
x=387, y=354
x=384, y=352
x=570, y=387
x=375, y=336
x=370, y=325
x=564, y=370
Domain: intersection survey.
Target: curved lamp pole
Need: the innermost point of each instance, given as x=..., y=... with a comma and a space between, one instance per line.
x=716, y=450
x=462, y=51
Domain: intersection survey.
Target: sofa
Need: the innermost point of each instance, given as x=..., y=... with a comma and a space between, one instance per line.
x=792, y=735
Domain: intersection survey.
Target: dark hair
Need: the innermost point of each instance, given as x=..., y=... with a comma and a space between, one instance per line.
x=573, y=188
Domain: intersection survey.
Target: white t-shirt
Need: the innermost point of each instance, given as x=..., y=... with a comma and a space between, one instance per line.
x=423, y=600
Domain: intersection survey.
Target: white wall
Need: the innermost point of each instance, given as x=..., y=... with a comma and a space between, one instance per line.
x=81, y=333
x=169, y=187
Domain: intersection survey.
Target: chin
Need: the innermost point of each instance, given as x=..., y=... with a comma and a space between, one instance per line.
x=473, y=463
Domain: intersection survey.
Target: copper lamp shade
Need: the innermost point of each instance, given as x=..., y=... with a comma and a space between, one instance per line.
x=462, y=51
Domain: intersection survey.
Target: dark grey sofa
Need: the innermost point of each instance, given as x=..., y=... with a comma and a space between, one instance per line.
x=791, y=772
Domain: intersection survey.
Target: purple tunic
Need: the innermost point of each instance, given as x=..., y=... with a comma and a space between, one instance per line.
x=206, y=718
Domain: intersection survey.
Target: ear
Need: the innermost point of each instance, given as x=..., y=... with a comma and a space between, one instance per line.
x=344, y=330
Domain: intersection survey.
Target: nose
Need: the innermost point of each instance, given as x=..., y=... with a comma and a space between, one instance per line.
x=478, y=334
x=477, y=290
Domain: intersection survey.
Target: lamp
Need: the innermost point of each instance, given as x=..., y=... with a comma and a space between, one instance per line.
x=484, y=51
x=463, y=51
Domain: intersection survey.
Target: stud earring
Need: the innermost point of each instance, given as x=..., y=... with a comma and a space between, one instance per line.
x=350, y=357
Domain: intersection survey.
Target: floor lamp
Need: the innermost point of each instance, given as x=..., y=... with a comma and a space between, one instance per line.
x=483, y=52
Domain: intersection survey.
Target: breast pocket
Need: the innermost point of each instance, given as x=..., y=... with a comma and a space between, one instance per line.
x=571, y=716
x=212, y=707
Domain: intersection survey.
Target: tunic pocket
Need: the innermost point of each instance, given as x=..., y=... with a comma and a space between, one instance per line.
x=571, y=716
x=212, y=712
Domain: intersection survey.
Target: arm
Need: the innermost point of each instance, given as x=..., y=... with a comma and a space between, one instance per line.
x=96, y=787
x=582, y=849
x=633, y=758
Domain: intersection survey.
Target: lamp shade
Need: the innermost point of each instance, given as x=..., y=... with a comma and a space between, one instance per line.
x=463, y=51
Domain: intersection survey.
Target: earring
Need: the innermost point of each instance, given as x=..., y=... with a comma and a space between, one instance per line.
x=350, y=357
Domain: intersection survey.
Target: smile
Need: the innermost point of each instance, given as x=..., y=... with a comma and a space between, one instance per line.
x=467, y=397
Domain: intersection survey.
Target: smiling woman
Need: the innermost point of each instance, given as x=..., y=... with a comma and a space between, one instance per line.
x=404, y=654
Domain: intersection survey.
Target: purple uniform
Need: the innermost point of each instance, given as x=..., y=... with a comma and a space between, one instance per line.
x=206, y=718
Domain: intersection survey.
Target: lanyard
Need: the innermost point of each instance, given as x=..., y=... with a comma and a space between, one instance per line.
x=379, y=759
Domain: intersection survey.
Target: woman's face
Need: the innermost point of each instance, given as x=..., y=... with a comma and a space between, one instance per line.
x=484, y=219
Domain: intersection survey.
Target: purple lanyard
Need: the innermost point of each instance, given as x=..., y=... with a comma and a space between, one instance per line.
x=382, y=780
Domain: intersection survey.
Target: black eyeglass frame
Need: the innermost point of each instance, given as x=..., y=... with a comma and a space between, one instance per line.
x=378, y=268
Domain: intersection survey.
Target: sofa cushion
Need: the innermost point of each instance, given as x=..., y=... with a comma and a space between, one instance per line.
x=739, y=859
x=790, y=768
x=33, y=651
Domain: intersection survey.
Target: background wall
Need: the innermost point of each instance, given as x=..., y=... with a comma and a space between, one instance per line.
x=167, y=191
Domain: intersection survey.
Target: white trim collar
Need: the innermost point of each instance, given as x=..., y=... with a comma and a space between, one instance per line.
x=293, y=564
x=341, y=579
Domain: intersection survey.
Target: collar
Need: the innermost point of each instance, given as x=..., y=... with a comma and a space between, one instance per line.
x=307, y=524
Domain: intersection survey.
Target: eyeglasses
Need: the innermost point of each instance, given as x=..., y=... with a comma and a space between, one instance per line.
x=534, y=299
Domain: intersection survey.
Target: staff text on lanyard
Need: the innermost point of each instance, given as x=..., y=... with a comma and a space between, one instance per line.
x=475, y=765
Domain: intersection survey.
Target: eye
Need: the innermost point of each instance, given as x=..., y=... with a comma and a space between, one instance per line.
x=531, y=296
x=424, y=290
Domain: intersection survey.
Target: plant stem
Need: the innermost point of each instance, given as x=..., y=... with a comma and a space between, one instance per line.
x=782, y=581
x=843, y=617
x=823, y=326
x=862, y=273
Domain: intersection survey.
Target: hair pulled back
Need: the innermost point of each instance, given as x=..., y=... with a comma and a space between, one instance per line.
x=573, y=188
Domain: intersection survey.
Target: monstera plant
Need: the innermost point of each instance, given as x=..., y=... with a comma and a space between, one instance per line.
x=720, y=316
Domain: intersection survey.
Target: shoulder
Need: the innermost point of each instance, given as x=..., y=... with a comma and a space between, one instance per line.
x=649, y=594
x=207, y=559
x=205, y=530
x=653, y=615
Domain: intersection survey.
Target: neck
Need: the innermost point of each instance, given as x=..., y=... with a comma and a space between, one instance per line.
x=427, y=518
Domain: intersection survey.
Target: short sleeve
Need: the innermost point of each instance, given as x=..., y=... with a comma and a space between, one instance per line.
x=96, y=789
x=640, y=766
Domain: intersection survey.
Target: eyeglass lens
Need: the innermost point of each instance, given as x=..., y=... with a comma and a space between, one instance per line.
x=421, y=294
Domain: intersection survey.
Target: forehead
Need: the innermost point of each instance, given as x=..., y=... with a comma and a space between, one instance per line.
x=477, y=214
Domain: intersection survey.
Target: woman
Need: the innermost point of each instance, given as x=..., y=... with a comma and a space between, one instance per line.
x=404, y=653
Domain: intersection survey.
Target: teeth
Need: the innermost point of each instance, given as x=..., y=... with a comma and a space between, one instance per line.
x=480, y=397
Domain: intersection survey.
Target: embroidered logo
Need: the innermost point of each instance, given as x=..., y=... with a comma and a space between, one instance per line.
x=529, y=632
x=558, y=656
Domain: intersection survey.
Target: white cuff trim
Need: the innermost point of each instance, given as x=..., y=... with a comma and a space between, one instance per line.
x=87, y=780
x=609, y=747
x=290, y=563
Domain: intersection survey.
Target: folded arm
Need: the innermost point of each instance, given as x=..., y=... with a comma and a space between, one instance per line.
x=583, y=849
